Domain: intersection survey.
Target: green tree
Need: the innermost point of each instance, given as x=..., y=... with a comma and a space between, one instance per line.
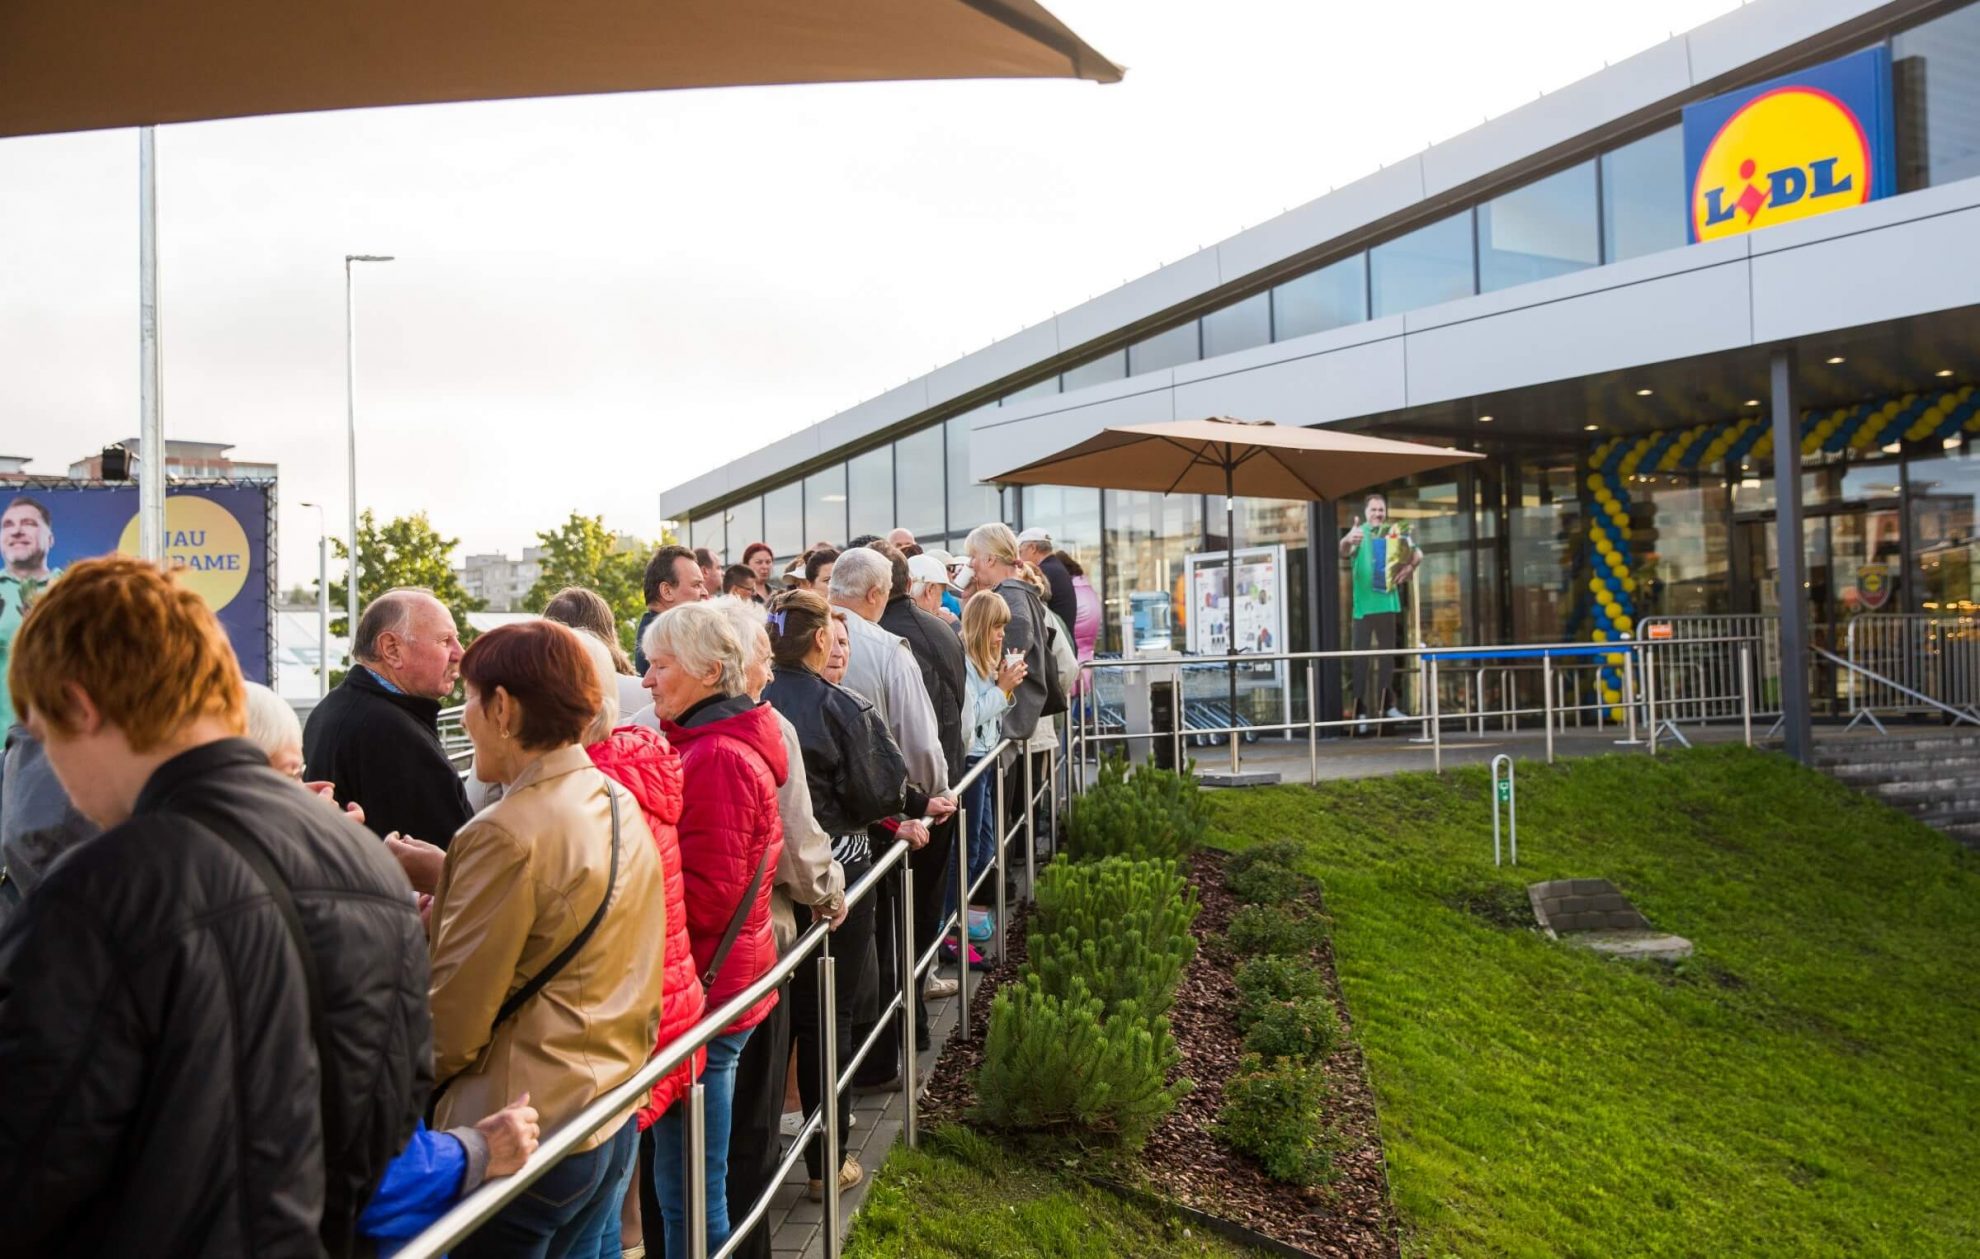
x=405, y=551
x=583, y=552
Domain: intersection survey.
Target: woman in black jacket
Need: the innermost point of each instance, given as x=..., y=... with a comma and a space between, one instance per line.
x=857, y=777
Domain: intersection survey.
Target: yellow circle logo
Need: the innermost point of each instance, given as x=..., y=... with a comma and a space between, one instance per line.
x=204, y=545
x=1787, y=154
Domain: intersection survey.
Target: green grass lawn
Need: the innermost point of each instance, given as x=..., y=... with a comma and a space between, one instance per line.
x=963, y=1195
x=1808, y=1084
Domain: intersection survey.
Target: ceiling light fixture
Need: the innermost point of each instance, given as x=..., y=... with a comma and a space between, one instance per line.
x=1753, y=402
x=1833, y=359
x=1589, y=428
x=1644, y=393
x=1943, y=372
x=1484, y=419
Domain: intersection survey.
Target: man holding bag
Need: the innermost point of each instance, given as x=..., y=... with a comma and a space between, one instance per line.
x=1384, y=559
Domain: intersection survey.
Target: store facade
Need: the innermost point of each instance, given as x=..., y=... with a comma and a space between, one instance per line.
x=1598, y=291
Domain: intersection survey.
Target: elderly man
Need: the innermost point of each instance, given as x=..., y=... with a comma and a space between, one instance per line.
x=902, y=538
x=27, y=535
x=675, y=575
x=213, y=1016
x=376, y=738
x=928, y=588
x=1035, y=547
x=885, y=671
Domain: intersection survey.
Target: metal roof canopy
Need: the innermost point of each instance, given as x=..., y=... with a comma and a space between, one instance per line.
x=77, y=65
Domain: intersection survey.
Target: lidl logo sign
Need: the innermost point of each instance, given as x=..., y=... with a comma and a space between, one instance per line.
x=1792, y=148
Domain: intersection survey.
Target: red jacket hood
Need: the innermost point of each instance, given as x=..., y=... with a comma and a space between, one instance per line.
x=757, y=727
x=646, y=765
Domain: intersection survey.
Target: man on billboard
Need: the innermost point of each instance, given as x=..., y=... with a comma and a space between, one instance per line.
x=27, y=535
x=1383, y=561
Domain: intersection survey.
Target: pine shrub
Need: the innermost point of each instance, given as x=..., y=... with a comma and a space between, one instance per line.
x=1093, y=897
x=1122, y=926
x=1279, y=852
x=1149, y=813
x=1267, y=981
x=1054, y=1063
x=1305, y=1031
x=1271, y=929
x=1272, y=1112
x=1267, y=883
x=1119, y=967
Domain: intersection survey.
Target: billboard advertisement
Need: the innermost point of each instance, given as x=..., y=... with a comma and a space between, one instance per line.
x=218, y=536
x=1818, y=140
x=1259, y=608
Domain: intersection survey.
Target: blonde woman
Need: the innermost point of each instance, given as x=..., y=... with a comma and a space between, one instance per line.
x=994, y=676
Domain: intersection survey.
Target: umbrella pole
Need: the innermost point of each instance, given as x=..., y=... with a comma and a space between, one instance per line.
x=1230, y=593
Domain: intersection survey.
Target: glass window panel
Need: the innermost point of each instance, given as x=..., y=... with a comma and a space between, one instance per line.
x=1069, y=513
x=708, y=531
x=1643, y=196
x=1333, y=297
x=1142, y=584
x=870, y=493
x=1945, y=552
x=825, y=505
x=1430, y=265
x=1101, y=370
x=1547, y=228
x=1164, y=349
x=1937, y=71
x=918, y=491
x=1050, y=385
x=783, y=519
x=971, y=503
x=1543, y=520
x=1238, y=326
x=745, y=527
x=1686, y=572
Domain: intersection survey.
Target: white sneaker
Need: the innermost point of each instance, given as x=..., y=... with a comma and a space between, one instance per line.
x=1362, y=730
x=1396, y=714
x=937, y=988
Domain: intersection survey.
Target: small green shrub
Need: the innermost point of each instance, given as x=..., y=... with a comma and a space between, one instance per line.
x=1120, y=925
x=1267, y=883
x=1279, y=852
x=1272, y=1112
x=1119, y=967
x=1267, y=981
x=1094, y=897
x=1262, y=929
x=1150, y=813
x=1305, y=1031
x=1054, y=1063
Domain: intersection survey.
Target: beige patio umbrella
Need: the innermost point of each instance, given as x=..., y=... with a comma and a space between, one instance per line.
x=1255, y=458
x=78, y=65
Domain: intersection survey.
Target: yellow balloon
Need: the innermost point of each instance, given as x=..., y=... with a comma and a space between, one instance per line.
x=1601, y=636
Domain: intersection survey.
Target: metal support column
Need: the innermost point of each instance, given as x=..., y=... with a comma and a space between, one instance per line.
x=1323, y=600
x=1796, y=720
x=151, y=376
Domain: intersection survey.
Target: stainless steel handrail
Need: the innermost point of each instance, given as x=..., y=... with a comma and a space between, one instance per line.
x=477, y=1208
x=1957, y=714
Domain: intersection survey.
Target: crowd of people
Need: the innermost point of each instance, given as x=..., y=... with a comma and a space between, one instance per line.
x=268, y=987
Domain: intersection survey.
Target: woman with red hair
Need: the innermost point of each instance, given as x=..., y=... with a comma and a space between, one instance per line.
x=760, y=559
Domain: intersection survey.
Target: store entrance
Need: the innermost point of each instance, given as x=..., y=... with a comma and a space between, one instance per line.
x=1854, y=560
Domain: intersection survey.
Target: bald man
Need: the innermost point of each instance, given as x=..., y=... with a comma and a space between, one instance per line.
x=376, y=738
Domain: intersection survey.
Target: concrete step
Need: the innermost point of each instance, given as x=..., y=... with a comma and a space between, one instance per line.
x=1906, y=790
x=1967, y=833
x=1868, y=758
x=1964, y=741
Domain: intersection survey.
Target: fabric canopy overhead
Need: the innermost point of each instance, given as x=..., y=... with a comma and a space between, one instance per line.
x=1251, y=458
x=78, y=65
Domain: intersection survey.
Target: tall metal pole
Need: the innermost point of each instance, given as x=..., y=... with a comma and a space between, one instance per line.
x=1796, y=719
x=350, y=414
x=151, y=420
x=322, y=602
x=1230, y=595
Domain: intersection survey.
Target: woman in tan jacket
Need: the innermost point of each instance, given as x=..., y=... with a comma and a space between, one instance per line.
x=547, y=930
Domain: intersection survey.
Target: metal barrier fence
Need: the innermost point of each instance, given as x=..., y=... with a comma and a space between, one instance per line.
x=813, y=945
x=1664, y=682
x=1904, y=663
x=1699, y=679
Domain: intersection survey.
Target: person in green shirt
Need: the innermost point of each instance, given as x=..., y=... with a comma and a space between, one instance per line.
x=1376, y=612
x=26, y=537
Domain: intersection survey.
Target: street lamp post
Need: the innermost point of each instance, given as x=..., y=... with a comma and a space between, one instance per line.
x=350, y=410
x=322, y=602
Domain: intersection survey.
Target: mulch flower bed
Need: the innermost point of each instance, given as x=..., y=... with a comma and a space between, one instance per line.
x=1183, y=1159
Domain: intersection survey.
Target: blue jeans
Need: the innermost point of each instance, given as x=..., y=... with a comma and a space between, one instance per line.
x=603, y=1241
x=669, y=1153
x=980, y=802
x=563, y=1208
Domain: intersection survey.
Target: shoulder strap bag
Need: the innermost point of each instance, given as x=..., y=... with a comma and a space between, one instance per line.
x=736, y=921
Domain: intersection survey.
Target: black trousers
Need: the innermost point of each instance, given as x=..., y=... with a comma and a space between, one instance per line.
x=755, y=1139
x=929, y=865
x=854, y=965
x=1371, y=673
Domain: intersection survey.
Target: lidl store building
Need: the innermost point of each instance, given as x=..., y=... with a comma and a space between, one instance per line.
x=1620, y=294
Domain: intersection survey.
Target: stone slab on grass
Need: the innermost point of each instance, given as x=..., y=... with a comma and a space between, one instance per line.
x=1592, y=913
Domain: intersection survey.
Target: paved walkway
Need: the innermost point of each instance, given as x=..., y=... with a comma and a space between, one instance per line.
x=797, y=1220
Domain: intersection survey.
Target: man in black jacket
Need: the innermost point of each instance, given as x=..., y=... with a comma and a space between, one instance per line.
x=168, y=991
x=938, y=651
x=376, y=738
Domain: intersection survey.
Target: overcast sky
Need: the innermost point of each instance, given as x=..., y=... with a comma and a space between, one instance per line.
x=596, y=298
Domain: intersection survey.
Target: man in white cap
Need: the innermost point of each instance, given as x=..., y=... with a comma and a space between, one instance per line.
x=928, y=585
x=1035, y=547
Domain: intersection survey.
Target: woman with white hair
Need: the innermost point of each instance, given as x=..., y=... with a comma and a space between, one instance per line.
x=733, y=760
x=273, y=727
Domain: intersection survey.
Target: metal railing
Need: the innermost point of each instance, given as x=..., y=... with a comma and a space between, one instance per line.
x=477, y=1208
x=1902, y=663
x=1701, y=681
x=1871, y=677
x=1697, y=679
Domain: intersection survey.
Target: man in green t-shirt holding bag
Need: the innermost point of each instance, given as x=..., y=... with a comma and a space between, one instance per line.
x=26, y=536
x=1384, y=557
